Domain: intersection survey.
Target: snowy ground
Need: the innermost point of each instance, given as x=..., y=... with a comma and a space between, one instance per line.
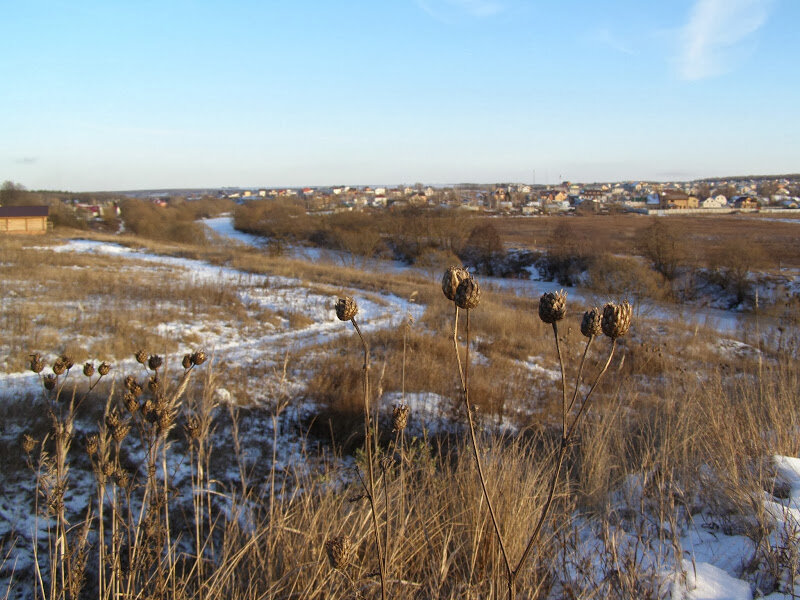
x=706, y=316
x=696, y=562
x=704, y=564
x=261, y=353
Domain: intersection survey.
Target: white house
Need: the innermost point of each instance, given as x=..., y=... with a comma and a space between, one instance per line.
x=718, y=201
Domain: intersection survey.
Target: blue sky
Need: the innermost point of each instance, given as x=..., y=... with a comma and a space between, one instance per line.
x=113, y=95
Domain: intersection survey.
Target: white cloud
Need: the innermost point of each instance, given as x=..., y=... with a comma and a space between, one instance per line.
x=717, y=34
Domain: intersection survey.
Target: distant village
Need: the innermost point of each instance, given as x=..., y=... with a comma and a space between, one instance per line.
x=758, y=194
x=525, y=199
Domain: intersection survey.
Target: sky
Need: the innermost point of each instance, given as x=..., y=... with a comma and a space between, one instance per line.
x=116, y=95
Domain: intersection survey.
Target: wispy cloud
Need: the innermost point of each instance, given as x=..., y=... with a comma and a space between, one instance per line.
x=26, y=160
x=447, y=10
x=717, y=34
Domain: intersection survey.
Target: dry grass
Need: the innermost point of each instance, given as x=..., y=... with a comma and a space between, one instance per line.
x=693, y=421
x=703, y=235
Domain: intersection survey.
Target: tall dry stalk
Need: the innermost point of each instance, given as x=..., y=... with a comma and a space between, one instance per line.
x=462, y=289
x=346, y=310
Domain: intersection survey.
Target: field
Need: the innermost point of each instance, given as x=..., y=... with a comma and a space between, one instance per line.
x=251, y=471
x=704, y=235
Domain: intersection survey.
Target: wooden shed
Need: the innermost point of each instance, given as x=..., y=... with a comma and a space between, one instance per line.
x=23, y=219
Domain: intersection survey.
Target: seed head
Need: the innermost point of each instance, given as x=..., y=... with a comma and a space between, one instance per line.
x=187, y=361
x=28, y=444
x=154, y=385
x=112, y=419
x=340, y=551
x=121, y=431
x=88, y=369
x=616, y=319
x=68, y=362
x=49, y=382
x=154, y=362
x=198, y=357
x=400, y=417
x=91, y=444
x=165, y=420
x=59, y=367
x=104, y=369
x=122, y=478
x=149, y=408
x=553, y=306
x=346, y=308
x=591, y=322
x=452, y=277
x=133, y=386
x=468, y=293
x=193, y=428
x=37, y=364
x=129, y=399
x=141, y=357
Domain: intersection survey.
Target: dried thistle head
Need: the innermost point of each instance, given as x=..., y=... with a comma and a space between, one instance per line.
x=59, y=367
x=154, y=385
x=616, y=319
x=187, y=361
x=591, y=322
x=88, y=369
x=400, y=414
x=154, y=362
x=28, y=444
x=104, y=369
x=49, y=382
x=553, y=306
x=468, y=293
x=198, y=357
x=340, y=550
x=346, y=308
x=450, y=280
x=68, y=362
x=37, y=364
x=141, y=356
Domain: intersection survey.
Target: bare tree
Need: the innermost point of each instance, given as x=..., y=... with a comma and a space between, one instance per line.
x=11, y=193
x=660, y=243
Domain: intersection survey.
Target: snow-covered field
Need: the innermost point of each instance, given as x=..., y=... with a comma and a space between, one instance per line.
x=699, y=561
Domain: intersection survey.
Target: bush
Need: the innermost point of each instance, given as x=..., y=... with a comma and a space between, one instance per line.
x=483, y=250
x=161, y=223
x=566, y=259
x=625, y=277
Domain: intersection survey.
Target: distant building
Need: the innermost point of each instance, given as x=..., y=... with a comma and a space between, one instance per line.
x=24, y=219
x=718, y=201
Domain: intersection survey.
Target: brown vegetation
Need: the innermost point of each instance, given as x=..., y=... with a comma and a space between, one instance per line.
x=693, y=422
